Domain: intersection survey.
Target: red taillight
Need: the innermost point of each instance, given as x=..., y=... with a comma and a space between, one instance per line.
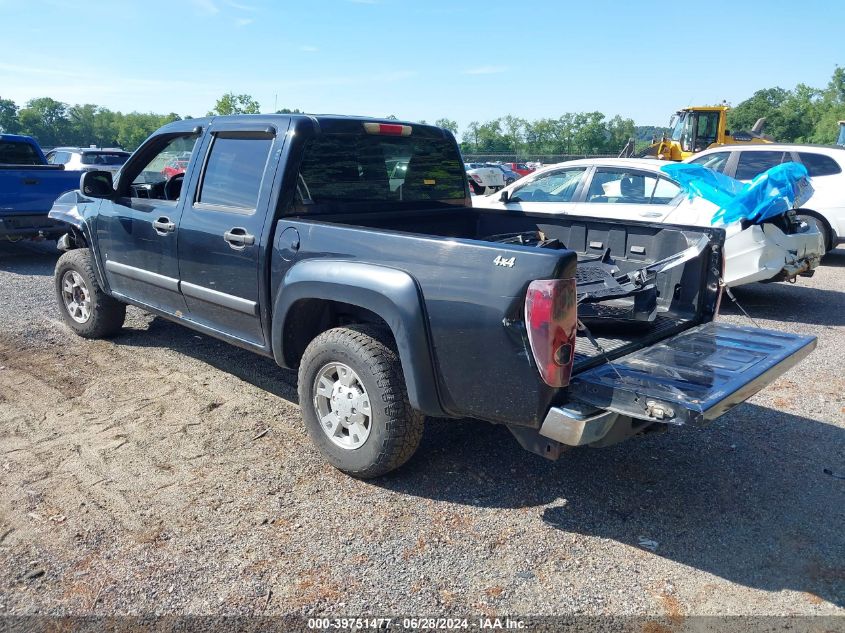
x=476, y=178
x=551, y=318
x=388, y=129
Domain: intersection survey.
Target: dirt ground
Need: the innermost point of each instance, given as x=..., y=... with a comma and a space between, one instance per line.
x=165, y=472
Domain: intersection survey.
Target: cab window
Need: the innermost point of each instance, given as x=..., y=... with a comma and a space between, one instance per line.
x=556, y=186
x=235, y=169
x=752, y=164
x=715, y=161
x=621, y=186
x=151, y=179
x=819, y=164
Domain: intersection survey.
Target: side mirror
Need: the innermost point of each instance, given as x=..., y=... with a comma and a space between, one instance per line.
x=504, y=196
x=96, y=184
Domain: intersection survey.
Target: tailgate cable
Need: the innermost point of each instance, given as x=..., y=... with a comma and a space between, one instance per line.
x=585, y=330
x=731, y=296
x=581, y=327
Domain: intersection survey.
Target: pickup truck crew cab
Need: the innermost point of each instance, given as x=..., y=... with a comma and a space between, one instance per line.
x=28, y=188
x=396, y=300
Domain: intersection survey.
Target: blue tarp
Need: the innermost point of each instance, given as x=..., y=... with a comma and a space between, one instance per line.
x=770, y=194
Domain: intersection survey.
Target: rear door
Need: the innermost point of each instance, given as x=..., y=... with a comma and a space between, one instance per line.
x=628, y=194
x=222, y=226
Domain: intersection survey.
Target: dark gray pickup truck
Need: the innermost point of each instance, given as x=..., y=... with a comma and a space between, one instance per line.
x=396, y=300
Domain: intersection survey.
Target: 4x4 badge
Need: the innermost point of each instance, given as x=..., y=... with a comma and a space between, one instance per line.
x=501, y=261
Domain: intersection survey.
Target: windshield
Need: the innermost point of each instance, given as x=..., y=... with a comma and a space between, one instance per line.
x=677, y=125
x=349, y=168
x=17, y=153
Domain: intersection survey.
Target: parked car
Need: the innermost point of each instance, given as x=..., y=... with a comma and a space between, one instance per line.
x=176, y=166
x=484, y=178
x=28, y=188
x=88, y=158
x=519, y=168
x=395, y=305
x=510, y=176
x=825, y=209
x=636, y=189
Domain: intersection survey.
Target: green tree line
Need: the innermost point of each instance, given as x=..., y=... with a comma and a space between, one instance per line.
x=803, y=114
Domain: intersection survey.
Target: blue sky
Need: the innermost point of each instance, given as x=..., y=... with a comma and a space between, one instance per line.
x=466, y=60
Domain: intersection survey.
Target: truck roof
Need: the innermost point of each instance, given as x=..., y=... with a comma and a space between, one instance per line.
x=336, y=121
x=18, y=138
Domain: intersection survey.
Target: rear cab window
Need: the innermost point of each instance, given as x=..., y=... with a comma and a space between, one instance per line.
x=819, y=164
x=344, y=168
x=18, y=153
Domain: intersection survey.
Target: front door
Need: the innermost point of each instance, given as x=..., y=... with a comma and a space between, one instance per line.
x=221, y=229
x=137, y=230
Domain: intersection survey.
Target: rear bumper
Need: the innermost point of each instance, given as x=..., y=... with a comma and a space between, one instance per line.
x=765, y=253
x=34, y=225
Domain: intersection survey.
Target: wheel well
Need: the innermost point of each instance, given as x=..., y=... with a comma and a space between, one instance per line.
x=308, y=318
x=829, y=237
x=72, y=240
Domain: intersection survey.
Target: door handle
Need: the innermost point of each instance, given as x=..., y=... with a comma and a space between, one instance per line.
x=238, y=238
x=163, y=225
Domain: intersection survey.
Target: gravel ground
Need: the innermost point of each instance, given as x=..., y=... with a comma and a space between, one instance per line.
x=132, y=482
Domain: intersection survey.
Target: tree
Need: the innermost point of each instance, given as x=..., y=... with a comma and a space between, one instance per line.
x=8, y=116
x=230, y=103
x=448, y=124
x=46, y=120
x=289, y=111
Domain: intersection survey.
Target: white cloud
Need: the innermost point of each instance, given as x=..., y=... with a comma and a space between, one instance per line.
x=238, y=5
x=206, y=6
x=308, y=49
x=244, y=21
x=486, y=70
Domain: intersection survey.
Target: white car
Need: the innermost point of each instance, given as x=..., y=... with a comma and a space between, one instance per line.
x=826, y=166
x=636, y=189
x=88, y=158
x=483, y=179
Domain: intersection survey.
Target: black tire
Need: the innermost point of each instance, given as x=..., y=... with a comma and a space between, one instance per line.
x=821, y=223
x=476, y=188
x=395, y=429
x=105, y=314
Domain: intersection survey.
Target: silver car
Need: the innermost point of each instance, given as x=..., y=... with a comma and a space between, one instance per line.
x=88, y=158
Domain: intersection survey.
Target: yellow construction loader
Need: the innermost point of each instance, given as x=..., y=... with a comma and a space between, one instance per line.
x=697, y=128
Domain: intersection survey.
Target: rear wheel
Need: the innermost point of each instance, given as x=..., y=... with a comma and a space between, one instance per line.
x=354, y=402
x=85, y=308
x=821, y=225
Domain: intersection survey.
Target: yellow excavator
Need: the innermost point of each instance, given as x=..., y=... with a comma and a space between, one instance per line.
x=697, y=128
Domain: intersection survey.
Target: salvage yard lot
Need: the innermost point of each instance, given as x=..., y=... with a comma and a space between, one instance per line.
x=167, y=472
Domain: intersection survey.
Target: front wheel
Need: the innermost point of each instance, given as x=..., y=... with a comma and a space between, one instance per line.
x=354, y=402
x=85, y=308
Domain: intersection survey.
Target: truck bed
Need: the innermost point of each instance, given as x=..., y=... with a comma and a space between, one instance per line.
x=682, y=302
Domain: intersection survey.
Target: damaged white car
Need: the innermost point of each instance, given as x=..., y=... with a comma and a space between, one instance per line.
x=775, y=248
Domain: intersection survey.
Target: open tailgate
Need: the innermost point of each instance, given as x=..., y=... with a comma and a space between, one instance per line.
x=694, y=376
